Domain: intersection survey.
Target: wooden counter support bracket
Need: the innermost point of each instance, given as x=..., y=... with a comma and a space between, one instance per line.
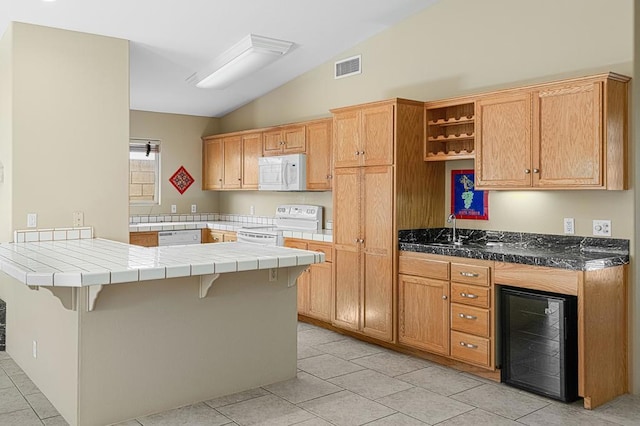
x=206, y=281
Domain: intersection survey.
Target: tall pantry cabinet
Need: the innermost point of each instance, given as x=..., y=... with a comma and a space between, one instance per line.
x=381, y=184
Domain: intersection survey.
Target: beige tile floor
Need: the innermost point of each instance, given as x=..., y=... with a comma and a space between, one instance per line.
x=342, y=381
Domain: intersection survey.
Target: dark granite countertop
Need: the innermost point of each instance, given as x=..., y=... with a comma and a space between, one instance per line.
x=555, y=251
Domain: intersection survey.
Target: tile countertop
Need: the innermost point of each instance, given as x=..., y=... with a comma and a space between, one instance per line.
x=324, y=235
x=555, y=251
x=85, y=262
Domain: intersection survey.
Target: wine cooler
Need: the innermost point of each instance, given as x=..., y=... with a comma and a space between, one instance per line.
x=539, y=342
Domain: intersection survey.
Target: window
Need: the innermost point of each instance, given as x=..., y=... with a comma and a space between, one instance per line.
x=144, y=171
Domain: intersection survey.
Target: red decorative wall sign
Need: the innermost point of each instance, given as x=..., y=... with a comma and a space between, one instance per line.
x=181, y=179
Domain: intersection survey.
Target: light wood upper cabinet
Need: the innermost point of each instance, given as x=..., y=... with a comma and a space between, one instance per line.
x=364, y=136
x=569, y=139
x=212, y=164
x=565, y=135
x=503, y=141
x=251, y=151
x=232, y=169
x=377, y=135
x=319, y=155
x=285, y=140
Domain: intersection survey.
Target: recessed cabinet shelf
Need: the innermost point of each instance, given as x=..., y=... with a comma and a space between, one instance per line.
x=449, y=133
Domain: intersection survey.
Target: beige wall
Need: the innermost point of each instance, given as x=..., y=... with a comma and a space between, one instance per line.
x=6, y=127
x=180, y=145
x=459, y=47
x=70, y=129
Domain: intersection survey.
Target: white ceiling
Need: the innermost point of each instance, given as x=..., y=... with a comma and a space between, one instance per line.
x=172, y=39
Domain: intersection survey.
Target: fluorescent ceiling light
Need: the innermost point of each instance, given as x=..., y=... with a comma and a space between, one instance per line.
x=246, y=57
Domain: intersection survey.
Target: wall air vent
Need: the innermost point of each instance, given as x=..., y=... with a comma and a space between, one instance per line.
x=348, y=67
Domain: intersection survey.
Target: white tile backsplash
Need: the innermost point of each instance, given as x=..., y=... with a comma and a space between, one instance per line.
x=55, y=234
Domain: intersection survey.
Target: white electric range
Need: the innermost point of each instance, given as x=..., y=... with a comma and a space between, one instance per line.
x=295, y=217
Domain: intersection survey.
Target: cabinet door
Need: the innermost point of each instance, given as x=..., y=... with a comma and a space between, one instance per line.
x=212, y=164
x=294, y=138
x=251, y=151
x=568, y=144
x=319, y=137
x=217, y=236
x=346, y=139
x=377, y=249
x=319, y=302
x=423, y=313
x=146, y=239
x=229, y=237
x=272, y=142
x=232, y=172
x=503, y=142
x=346, y=255
x=377, y=136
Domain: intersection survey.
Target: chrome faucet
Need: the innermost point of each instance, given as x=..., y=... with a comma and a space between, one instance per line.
x=452, y=219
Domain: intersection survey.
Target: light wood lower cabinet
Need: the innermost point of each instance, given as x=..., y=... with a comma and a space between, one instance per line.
x=446, y=307
x=314, y=284
x=423, y=313
x=146, y=239
x=215, y=236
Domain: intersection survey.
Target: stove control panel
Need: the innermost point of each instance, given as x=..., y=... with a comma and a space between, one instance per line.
x=299, y=216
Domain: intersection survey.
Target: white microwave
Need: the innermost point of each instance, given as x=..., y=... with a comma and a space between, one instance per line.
x=282, y=173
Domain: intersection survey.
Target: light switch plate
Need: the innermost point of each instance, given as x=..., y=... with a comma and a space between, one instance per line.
x=32, y=220
x=174, y=209
x=602, y=228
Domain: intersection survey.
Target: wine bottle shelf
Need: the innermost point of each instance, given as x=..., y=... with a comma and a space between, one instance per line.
x=452, y=121
x=451, y=155
x=443, y=138
x=450, y=131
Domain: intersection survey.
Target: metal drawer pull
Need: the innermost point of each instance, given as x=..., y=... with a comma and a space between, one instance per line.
x=469, y=274
x=468, y=345
x=469, y=317
x=469, y=295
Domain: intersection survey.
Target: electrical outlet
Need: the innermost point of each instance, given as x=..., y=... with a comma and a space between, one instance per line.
x=78, y=219
x=35, y=349
x=273, y=274
x=193, y=208
x=602, y=228
x=569, y=225
x=32, y=220
x=174, y=209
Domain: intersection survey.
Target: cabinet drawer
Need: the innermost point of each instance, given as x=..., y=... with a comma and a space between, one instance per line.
x=470, y=320
x=474, y=349
x=415, y=264
x=470, y=274
x=322, y=248
x=295, y=244
x=470, y=295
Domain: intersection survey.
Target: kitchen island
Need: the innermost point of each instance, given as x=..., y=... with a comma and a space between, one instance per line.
x=110, y=331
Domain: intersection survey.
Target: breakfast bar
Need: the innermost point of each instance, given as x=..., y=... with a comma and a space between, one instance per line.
x=109, y=331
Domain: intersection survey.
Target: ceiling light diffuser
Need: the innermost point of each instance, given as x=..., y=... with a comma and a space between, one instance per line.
x=242, y=59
